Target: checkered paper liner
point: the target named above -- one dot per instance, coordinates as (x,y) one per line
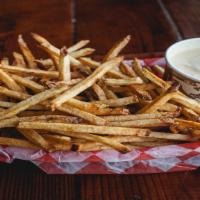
(169,158)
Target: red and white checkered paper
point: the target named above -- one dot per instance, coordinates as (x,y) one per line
(169,158)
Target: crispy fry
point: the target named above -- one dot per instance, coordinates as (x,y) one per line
(118,82)
(158,69)
(82,52)
(158,115)
(86,83)
(155,79)
(99,92)
(115,50)
(190,114)
(34,72)
(19,59)
(64,65)
(83,128)
(109,93)
(119,102)
(28,83)
(31,101)
(8,81)
(27,52)
(127,70)
(83,114)
(34,138)
(78,46)
(11,122)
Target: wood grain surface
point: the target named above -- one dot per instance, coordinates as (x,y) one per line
(154,24)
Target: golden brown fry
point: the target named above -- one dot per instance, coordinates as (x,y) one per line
(28,83)
(13,94)
(159,115)
(158,69)
(109,93)
(11,122)
(8,81)
(99,92)
(56,138)
(118,46)
(83,128)
(144,123)
(27,52)
(190,114)
(128,70)
(155,79)
(64,65)
(119,102)
(19,59)
(78,46)
(123,82)
(187,124)
(31,101)
(45,62)
(34,138)
(5,61)
(86,83)
(82,114)
(82,52)
(17,143)
(169,107)
(34,72)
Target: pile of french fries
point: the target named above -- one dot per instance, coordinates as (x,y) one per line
(70,101)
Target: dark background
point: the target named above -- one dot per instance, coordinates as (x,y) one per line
(154,25)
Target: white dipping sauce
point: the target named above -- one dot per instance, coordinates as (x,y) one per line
(188,62)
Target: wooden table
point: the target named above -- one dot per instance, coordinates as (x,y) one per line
(154,25)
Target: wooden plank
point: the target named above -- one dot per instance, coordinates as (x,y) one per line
(47,17)
(186,15)
(22,180)
(104,22)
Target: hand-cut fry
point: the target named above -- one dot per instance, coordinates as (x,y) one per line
(8,81)
(36,87)
(56,138)
(126,69)
(190,114)
(78,46)
(83,128)
(34,138)
(144,123)
(31,101)
(138,70)
(86,83)
(144,86)
(11,122)
(118,82)
(64,65)
(5,61)
(188,124)
(17,143)
(27,52)
(155,79)
(99,92)
(83,114)
(158,115)
(187,102)
(82,52)
(45,62)
(13,94)
(158,69)
(169,107)
(119,102)
(34,72)
(19,59)
(109,93)
(118,46)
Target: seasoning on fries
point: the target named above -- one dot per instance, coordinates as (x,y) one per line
(69,101)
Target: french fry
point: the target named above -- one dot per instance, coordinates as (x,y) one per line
(83,114)
(122,82)
(83,128)
(78,45)
(64,65)
(187,124)
(13,94)
(155,79)
(11,122)
(8,81)
(35,138)
(127,70)
(28,83)
(99,92)
(158,115)
(119,102)
(5,61)
(19,59)
(118,46)
(109,93)
(31,101)
(27,52)
(144,123)
(86,83)
(34,72)
(45,62)
(82,52)
(158,69)
(190,114)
